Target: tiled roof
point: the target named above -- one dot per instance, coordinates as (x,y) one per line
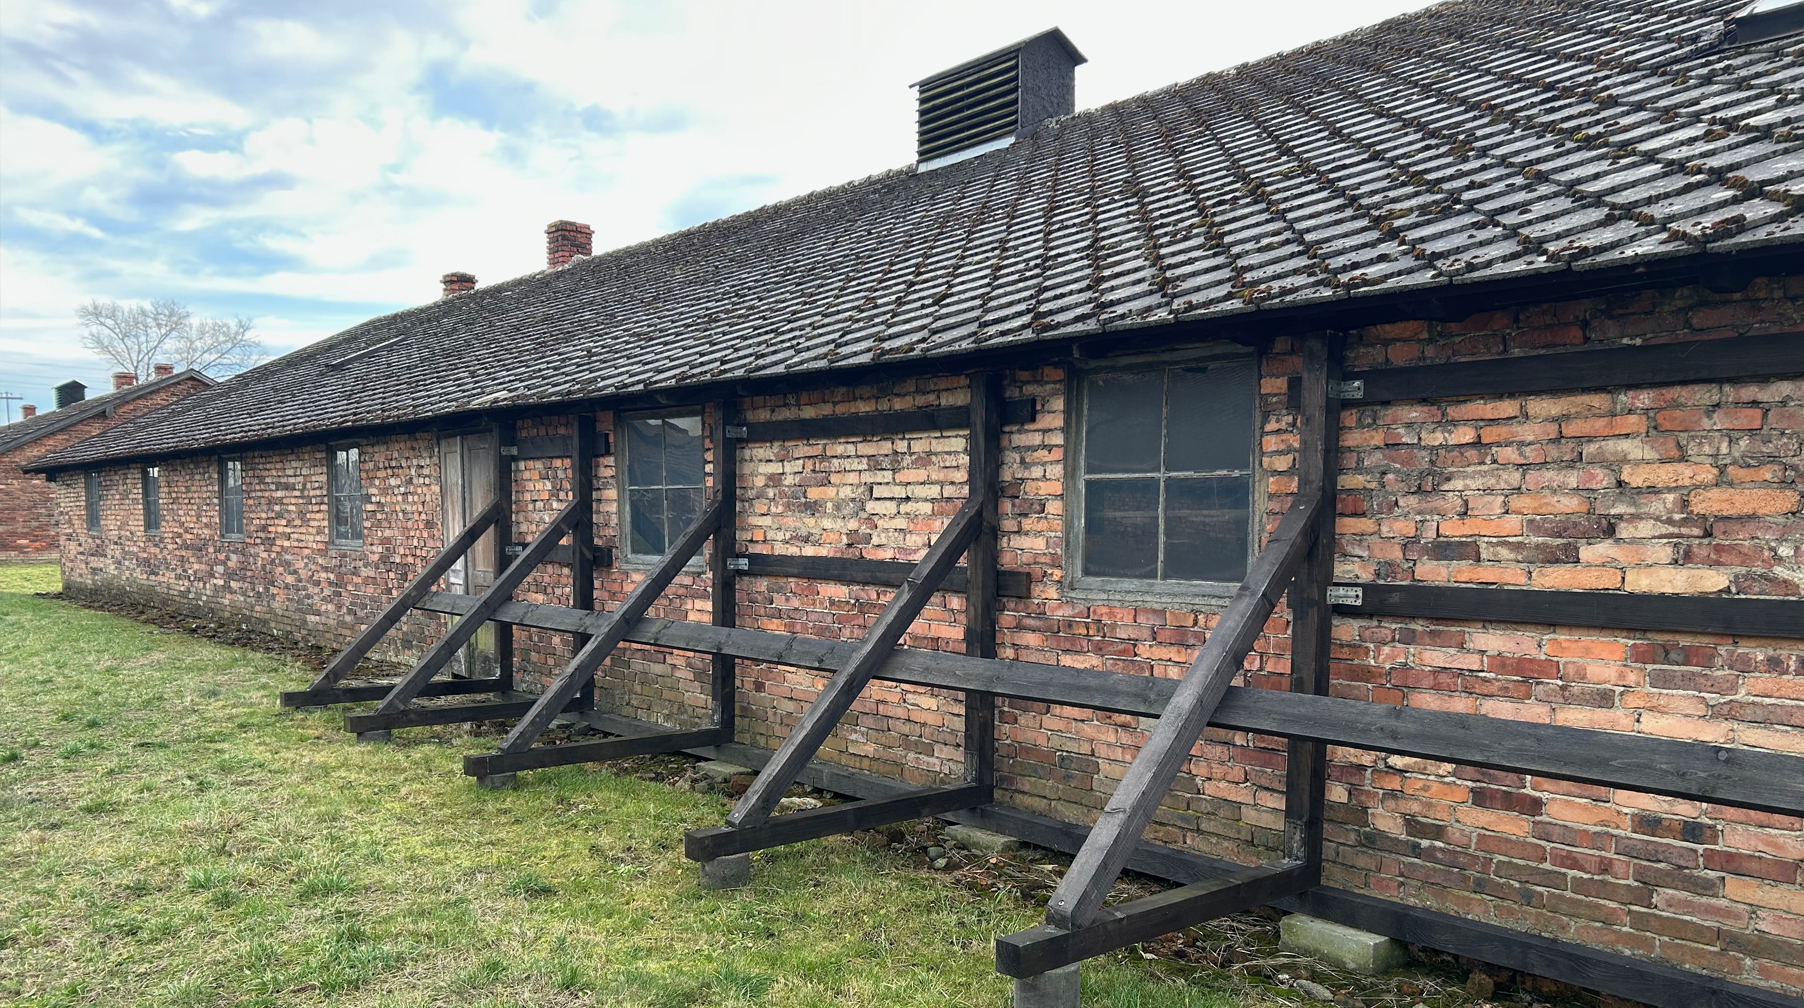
(1476,141)
(24,432)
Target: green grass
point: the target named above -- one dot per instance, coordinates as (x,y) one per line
(171,838)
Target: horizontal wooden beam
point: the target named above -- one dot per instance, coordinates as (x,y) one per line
(327,695)
(1751,778)
(490,764)
(812,824)
(415,717)
(1043,948)
(1649,982)
(1009,583)
(1683,363)
(1014,412)
(1728,614)
(602,556)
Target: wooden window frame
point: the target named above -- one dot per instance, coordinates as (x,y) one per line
(226,461)
(334,493)
(1112,589)
(628,559)
(150,494)
(90,488)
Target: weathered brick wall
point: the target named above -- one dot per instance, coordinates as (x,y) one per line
(1689,488)
(284,578)
(28,508)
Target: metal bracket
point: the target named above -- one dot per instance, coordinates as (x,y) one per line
(1355,389)
(514,549)
(1340,595)
(735,431)
(510,449)
(738,564)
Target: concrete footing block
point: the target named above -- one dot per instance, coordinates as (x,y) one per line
(732,872)
(496,782)
(311,710)
(982,840)
(1057,988)
(720,771)
(375,736)
(1339,945)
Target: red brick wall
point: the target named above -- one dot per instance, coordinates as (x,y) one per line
(28,520)
(1689,488)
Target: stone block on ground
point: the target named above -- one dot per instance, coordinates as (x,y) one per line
(1339,945)
(982,840)
(720,771)
(1053,989)
(732,872)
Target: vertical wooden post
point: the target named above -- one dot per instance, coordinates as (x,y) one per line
(505,442)
(1318,429)
(722,580)
(582,534)
(983,473)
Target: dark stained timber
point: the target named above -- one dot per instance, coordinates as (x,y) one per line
(1603,367)
(540,757)
(415,717)
(552,446)
(1769,781)
(409,598)
(1311,623)
(1014,412)
(812,824)
(356,694)
(1765,617)
(1039,949)
(1009,583)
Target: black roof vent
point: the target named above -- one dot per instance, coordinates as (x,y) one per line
(1764,20)
(988,102)
(69,393)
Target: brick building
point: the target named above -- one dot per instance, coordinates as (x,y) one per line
(1553,253)
(28,523)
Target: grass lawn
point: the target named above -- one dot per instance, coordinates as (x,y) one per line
(171,838)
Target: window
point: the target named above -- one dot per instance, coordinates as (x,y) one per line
(91,486)
(231,498)
(1166,471)
(153,499)
(663,480)
(345,487)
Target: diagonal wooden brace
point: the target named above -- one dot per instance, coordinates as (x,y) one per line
(1041,949)
(725,841)
(498,593)
(873,650)
(1125,817)
(421,586)
(540,757)
(613,631)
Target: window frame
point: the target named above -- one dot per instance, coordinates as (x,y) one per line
(334,493)
(622,449)
(90,489)
(1079,585)
(225,462)
(150,492)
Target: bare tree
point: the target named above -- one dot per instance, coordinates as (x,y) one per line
(135,337)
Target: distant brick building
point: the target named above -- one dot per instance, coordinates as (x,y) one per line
(28,522)
(1599,202)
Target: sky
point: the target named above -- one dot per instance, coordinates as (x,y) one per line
(312,165)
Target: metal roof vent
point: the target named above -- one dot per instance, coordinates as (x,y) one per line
(1764,20)
(989,102)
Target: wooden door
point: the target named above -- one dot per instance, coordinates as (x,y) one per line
(467,470)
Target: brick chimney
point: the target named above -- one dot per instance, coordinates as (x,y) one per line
(123,379)
(162,370)
(27,411)
(457,283)
(565,240)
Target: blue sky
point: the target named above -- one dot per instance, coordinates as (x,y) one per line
(311,165)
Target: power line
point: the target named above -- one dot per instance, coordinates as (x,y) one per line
(9,399)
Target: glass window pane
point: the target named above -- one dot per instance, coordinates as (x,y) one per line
(644,453)
(645,534)
(1206,526)
(1121,422)
(1211,418)
(1121,528)
(681,509)
(683,451)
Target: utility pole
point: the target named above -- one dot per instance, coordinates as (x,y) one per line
(9,399)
